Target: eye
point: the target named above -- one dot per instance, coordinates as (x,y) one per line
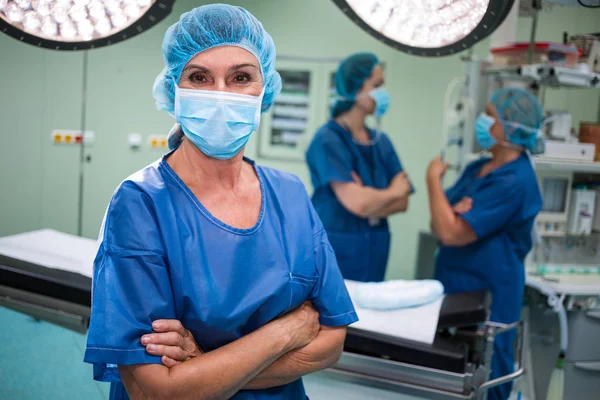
(198,77)
(242,77)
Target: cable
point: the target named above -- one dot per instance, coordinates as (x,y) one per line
(581,3)
(557,304)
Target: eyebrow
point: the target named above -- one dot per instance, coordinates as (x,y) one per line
(195,67)
(240,66)
(204,69)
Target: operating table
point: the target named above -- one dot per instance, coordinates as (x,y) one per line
(40,278)
(456,365)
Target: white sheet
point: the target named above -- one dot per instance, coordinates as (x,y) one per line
(52,249)
(417,323)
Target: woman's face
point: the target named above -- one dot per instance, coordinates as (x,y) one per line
(363,100)
(225,69)
(497,130)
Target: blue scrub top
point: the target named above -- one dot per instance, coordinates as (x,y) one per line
(505,205)
(361,248)
(163,255)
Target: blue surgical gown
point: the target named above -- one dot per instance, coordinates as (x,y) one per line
(361,247)
(505,205)
(163,255)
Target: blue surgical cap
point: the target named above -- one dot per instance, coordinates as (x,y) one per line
(212,26)
(349,78)
(521,116)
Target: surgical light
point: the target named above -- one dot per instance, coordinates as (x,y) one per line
(428,28)
(79,24)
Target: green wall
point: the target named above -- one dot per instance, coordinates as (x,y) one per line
(43,90)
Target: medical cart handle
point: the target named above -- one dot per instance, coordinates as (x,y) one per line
(501,328)
(592,366)
(593,314)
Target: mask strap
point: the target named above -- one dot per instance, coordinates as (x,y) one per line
(177,109)
(258,110)
(343,98)
(512,145)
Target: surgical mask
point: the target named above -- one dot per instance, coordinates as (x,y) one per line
(218,123)
(382,101)
(483,124)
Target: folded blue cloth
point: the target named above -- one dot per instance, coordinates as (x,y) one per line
(391,295)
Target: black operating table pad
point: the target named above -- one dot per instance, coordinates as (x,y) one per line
(460,309)
(55,283)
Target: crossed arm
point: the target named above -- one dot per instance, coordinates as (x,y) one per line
(446,223)
(368,202)
(274,355)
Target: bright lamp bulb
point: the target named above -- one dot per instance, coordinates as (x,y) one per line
(13,13)
(422,23)
(42,7)
(427,27)
(75,21)
(49,27)
(78,13)
(24,4)
(31,21)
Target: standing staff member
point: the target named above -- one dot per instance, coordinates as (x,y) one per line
(485,220)
(357,175)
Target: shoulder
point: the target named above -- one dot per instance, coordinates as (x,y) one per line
(517,178)
(328,133)
(144,182)
(477,164)
(527,178)
(385,143)
(135,195)
(520,174)
(131,219)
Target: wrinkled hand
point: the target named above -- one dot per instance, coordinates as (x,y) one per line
(301,325)
(463,206)
(172,342)
(401,184)
(437,169)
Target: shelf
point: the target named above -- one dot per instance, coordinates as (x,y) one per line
(554,235)
(546,75)
(566,235)
(553,164)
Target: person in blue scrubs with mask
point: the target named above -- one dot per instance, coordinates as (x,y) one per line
(232,250)
(357,176)
(486,220)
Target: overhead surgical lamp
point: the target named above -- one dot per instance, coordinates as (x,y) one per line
(429,28)
(79,24)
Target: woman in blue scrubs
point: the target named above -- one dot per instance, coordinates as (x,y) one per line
(233,250)
(357,176)
(485,220)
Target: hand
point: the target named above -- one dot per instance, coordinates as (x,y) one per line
(172,342)
(437,169)
(301,326)
(401,184)
(356,178)
(463,206)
